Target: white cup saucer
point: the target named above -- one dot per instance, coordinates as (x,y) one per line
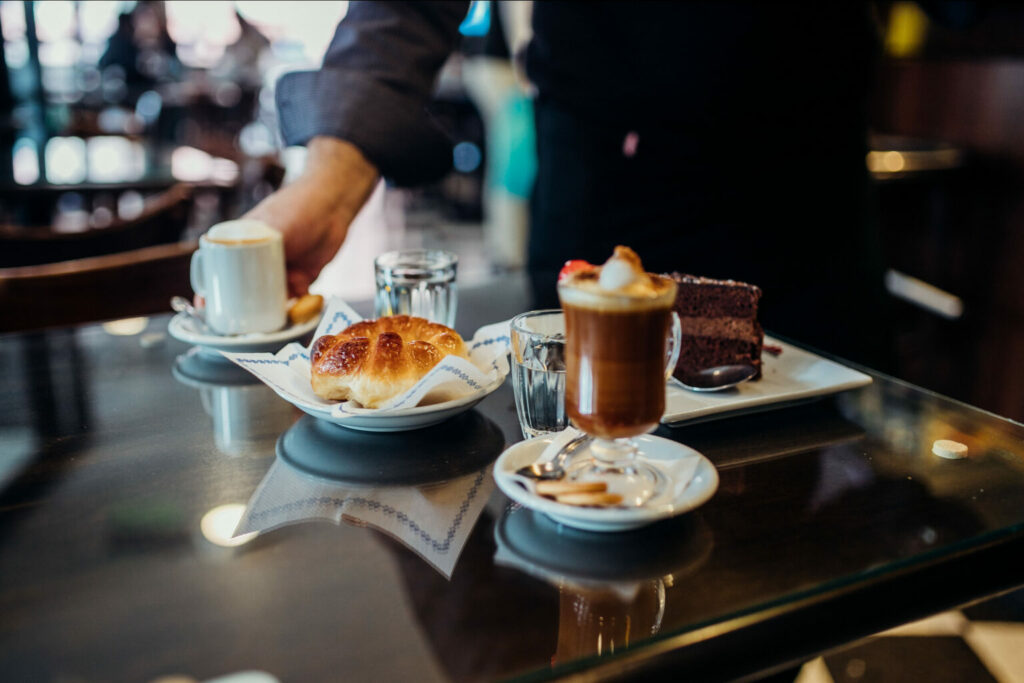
(676,498)
(183,328)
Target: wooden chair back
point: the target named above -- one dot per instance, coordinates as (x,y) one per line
(122,285)
(162,221)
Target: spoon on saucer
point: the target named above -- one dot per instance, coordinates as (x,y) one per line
(717,378)
(548,470)
(182,305)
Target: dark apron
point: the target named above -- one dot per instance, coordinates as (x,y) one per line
(790,214)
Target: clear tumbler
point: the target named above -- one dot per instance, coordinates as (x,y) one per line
(418,282)
(538,371)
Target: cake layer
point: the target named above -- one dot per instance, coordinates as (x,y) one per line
(701,353)
(719,324)
(727,328)
(708,298)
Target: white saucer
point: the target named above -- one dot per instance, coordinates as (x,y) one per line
(402,420)
(183,329)
(669,503)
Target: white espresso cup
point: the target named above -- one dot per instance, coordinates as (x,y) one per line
(239,271)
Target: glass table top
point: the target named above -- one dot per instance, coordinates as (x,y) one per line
(127,460)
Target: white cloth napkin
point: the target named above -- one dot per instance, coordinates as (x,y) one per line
(433,521)
(287,372)
(680,472)
(557,443)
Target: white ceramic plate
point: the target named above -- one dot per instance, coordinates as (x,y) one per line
(183,329)
(791,376)
(399,420)
(669,503)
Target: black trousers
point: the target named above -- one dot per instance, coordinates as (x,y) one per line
(790,213)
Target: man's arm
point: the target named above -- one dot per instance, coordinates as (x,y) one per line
(376,82)
(313,212)
(361,116)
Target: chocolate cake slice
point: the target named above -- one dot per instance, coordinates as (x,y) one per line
(719,323)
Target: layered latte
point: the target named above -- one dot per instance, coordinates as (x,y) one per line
(617,319)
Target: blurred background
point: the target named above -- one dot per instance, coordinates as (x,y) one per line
(129,125)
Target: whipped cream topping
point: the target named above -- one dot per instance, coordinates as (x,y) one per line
(618,273)
(621,277)
(623,272)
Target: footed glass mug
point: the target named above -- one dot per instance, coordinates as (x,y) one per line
(616,346)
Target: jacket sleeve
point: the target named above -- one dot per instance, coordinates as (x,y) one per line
(374,87)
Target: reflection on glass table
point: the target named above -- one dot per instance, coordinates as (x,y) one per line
(244,412)
(611,587)
(424,488)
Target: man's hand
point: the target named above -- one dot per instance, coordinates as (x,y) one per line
(313,213)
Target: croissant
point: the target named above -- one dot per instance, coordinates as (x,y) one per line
(374,360)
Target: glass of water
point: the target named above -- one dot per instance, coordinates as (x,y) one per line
(538,371)
(418,282)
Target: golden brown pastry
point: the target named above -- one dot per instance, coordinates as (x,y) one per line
(375,360)
(305,308)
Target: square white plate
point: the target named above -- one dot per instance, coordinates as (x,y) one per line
(791,376)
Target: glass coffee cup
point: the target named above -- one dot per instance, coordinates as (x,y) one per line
(621,342)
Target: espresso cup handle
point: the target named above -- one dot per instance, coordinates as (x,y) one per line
(195,273)
(675,345)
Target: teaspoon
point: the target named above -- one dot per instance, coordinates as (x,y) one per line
(718,378)
(182,305)
(554,468)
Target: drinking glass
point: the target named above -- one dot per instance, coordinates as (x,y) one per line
(615,360)
(418,282)
(538,371)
